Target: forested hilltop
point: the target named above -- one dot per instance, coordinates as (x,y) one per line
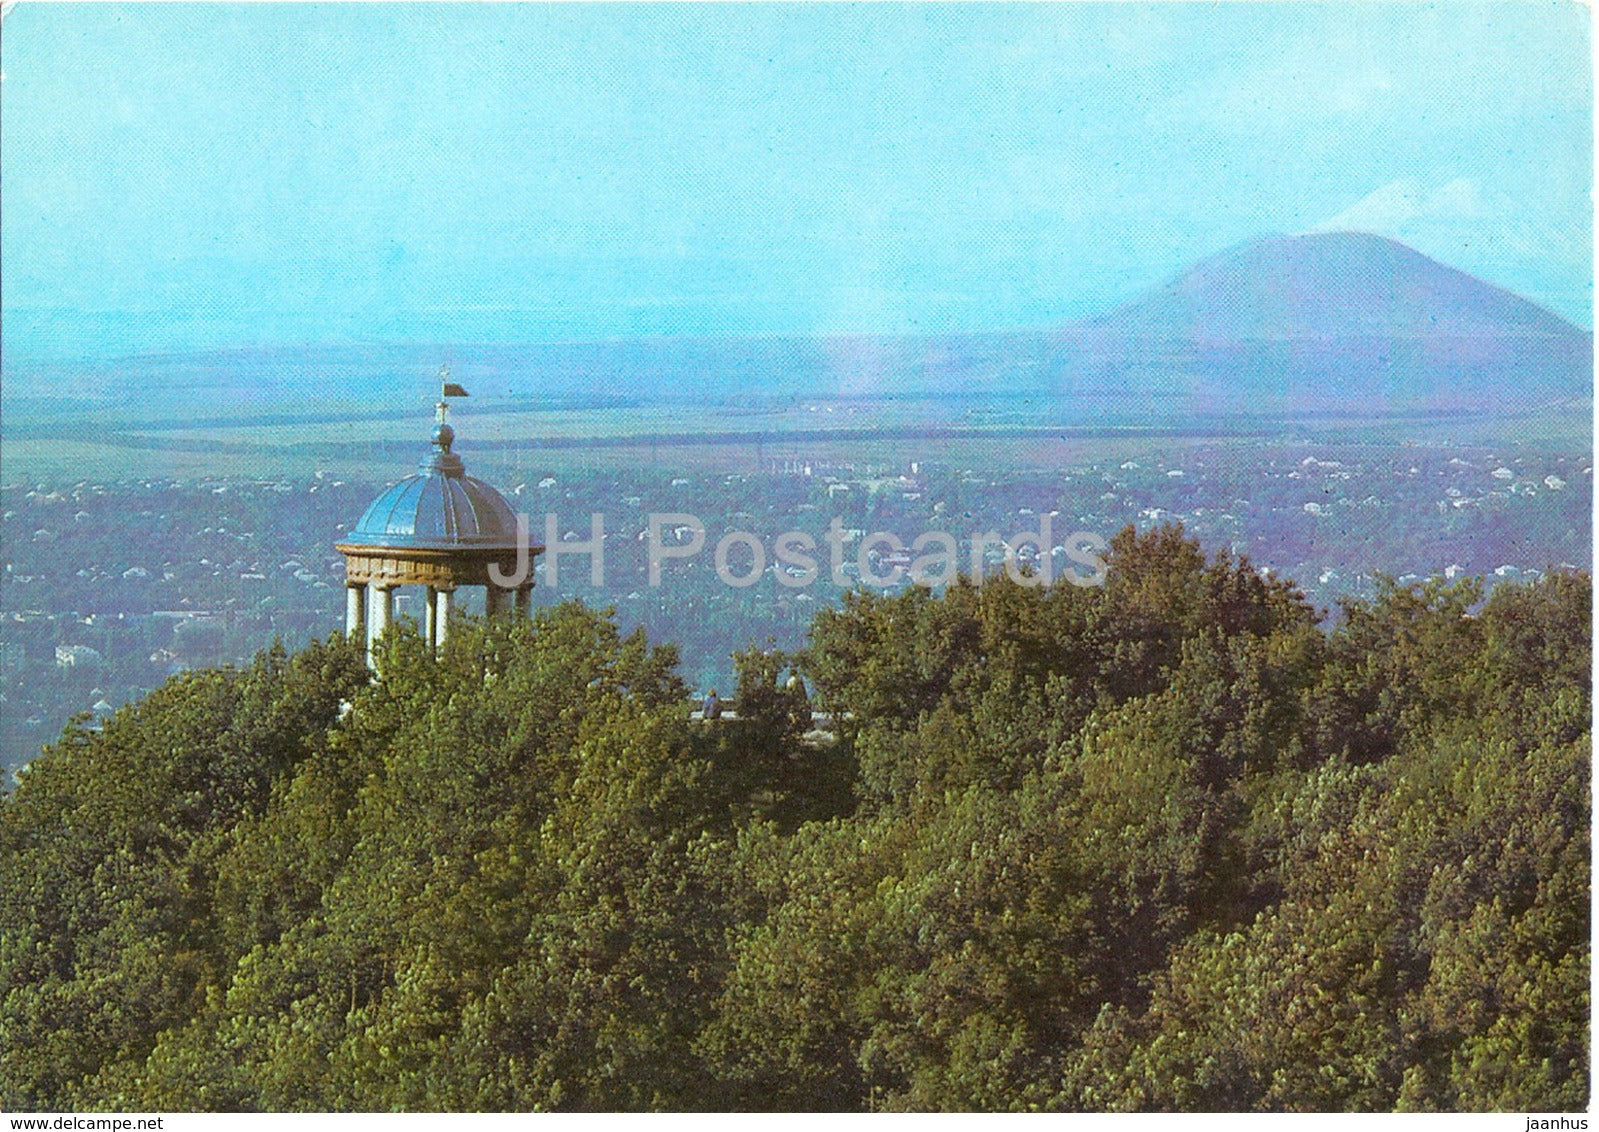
(1165,844)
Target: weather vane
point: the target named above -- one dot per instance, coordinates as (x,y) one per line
(448,389)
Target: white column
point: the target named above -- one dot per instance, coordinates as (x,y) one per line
(354,609)
(381,616)
(431,629)
(441,617)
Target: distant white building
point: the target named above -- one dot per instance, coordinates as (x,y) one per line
(78,656)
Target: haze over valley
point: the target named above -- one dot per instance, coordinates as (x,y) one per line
(1280,331)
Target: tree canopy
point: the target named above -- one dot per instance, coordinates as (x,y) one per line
(1170,843)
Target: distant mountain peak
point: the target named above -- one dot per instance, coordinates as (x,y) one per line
(1325,320)
(1327,286)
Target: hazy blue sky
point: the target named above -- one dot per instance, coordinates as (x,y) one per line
(196,174)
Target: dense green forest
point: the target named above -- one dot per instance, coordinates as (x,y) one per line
(1170,843)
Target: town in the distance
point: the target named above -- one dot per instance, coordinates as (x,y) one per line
(166,512)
